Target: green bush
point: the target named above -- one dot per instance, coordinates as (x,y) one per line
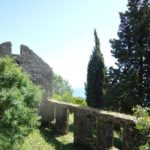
(143,118)
(143,124)
(19,99)
(79,101)
(62,91)
(67,97)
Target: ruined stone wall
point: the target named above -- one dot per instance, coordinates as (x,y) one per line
(102,123)
(5,49)
(41,73)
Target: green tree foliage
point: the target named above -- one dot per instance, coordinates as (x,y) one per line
(96,74)
(130,82)
(70,99)
(62,91)
(60,86)
(143,124)
(19,100)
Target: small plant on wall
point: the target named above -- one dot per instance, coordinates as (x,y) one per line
(143,124)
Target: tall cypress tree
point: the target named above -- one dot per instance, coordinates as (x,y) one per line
(95,76)
(130,82)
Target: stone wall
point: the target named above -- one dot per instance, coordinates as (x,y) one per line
(41,73)
(102,123)
(5,49)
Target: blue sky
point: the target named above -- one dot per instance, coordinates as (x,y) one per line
(61,31)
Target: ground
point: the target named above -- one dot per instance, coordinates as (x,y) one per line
(47,139)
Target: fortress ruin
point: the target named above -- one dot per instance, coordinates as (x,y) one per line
(86,120)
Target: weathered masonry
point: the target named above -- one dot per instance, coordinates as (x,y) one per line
(88,121)
(41,73)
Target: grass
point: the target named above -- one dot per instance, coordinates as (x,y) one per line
(47,139)
(35,141)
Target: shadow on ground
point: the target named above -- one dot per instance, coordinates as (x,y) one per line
(51,137)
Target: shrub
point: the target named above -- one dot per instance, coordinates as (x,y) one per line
(19,99)
(143,123)
(79,101)
(67,97)
(62,91)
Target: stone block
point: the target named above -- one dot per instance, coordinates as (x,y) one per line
(46,111)
(105,129)
(62,119)
(83,128)
(132,138)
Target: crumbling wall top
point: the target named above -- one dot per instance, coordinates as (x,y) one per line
(25,51)
(5,48)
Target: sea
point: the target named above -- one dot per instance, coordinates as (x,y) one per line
(79,92)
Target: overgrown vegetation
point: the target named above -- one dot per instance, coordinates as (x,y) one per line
(62,91)
(19,100)
(60,86)
(143,124)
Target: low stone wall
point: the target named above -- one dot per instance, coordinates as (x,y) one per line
(88,121)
